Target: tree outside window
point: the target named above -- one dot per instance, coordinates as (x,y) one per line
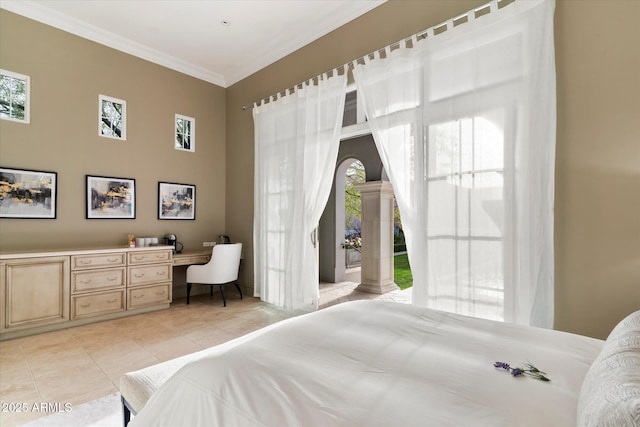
(185,138)
(14,96)
(113,115)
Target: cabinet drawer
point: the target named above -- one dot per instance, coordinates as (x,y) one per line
(148,274)
(93,280)
(151,257)
(83,262)
(96,304)
(149,295)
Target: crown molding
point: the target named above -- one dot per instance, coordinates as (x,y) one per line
(32,10)
(349,11)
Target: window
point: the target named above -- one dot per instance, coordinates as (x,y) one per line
(467,220)
(14,96)
(113,118)
(185,133)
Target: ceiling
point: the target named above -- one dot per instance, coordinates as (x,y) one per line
(219,41)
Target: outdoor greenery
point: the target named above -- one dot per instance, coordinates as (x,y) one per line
(402,271)
(352,199)
(13,97)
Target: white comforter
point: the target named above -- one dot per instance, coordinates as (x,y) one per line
(371,363)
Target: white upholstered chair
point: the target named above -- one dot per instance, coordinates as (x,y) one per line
(221,269)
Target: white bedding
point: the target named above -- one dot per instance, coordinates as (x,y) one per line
(372,363)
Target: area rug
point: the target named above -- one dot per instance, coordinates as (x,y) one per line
(103,412)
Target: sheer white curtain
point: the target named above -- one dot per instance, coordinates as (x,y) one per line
(465,125)
(296,145)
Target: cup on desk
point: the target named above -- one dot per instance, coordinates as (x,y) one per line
(140,241)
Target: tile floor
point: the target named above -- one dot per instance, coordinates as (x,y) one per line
(84,363)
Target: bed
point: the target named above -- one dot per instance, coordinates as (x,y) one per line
(373,363)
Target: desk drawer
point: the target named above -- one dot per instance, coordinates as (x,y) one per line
(148,274)
(94,280)
(149,295)
(191,260)
(95,304)
(84,262)
(151,257)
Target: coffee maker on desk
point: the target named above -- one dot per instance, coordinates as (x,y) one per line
(172,240)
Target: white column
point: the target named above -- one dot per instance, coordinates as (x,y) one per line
(377,237)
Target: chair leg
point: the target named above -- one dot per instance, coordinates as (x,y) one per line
(188,291)
(126,413)
(224,300)
(238,288)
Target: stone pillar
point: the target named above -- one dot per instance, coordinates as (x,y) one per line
(377,237)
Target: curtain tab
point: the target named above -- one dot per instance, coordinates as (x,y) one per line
(450,24)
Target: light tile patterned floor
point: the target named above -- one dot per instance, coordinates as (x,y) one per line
(81,364)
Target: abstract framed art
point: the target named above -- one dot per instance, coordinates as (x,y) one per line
(28,194)
(111,198)
(176,201)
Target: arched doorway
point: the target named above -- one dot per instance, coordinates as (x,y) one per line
(331,232)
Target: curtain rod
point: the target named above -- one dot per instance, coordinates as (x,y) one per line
(429,32)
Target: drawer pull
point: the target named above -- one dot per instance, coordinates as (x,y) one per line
(86,281)
(85,305)
(111,301)
(112,278)
(139,274)
(160,256)
(85,261)
(138,258)
(113,259)
(161,273)
(160,293)
(139,296)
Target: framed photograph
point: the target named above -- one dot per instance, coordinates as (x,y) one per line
(27,193)
(176,201)
(112,117)
(111,198)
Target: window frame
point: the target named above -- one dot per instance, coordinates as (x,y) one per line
(27,103)
(507,189)
(192,134)
(123,133)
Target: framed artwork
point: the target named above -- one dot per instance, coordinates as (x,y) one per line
(15,93)
(111,198)
(176,201)
(27,193)
(112,117)
(185,137)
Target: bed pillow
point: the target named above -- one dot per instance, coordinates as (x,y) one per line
(610,392)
